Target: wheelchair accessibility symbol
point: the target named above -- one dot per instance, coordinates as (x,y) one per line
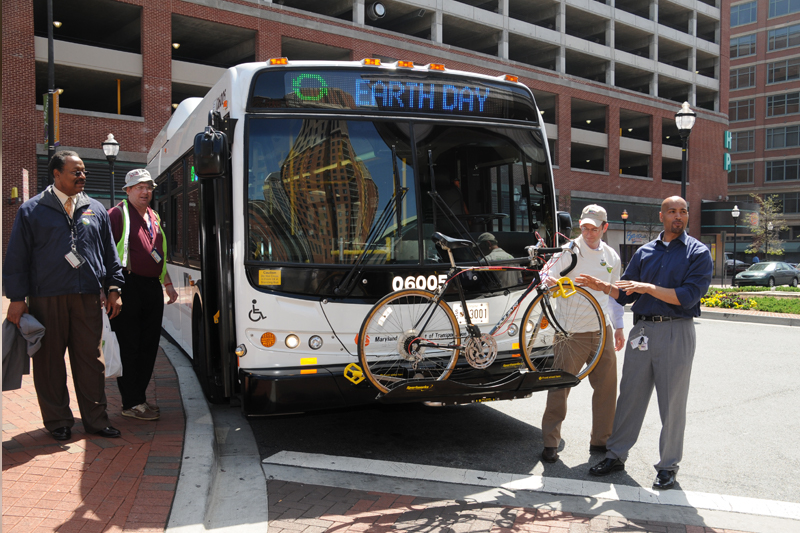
(255,314)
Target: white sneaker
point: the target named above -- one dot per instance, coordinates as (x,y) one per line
(141,412)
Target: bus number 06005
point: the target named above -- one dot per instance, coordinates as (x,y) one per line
(430,283)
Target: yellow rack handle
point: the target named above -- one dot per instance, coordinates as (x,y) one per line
(563,291)
(353,373)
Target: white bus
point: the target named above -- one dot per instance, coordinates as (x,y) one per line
(314,202)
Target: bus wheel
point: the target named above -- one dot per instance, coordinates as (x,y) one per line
(203,367)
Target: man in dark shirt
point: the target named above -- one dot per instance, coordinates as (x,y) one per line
(142,249)
(665,279)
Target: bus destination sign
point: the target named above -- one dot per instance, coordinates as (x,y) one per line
(394,93)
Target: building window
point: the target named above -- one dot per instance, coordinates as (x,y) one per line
(779,8)
(745,13)
(781,38)
(788,170)
(743,141)
(742,78)
(743,46)
(786,137)
(740,173)
(790,202)
(742,110)
(781,71)
(783,104)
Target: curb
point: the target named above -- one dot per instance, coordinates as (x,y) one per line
(755,319)
(199,458)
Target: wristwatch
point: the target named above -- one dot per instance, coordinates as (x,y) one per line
(115,289)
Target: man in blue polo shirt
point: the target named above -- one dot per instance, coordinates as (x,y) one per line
(665,280)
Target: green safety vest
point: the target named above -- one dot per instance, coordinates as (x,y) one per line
(122,244)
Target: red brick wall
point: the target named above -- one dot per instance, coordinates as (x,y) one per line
(707,180)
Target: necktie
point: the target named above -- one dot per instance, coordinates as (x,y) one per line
(68,206)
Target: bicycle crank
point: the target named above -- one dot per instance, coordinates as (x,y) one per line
(481,352)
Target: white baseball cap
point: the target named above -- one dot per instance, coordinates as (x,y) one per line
(136,176)
(593,214)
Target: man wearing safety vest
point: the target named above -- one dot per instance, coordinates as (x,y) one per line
(142,249)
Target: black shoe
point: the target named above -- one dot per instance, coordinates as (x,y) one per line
(550,455)
(606,466)
(595,448)
(62,433)
(665,480)
(108,432)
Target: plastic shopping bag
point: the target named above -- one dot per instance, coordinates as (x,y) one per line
(110,348)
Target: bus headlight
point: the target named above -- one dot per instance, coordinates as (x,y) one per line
(512,330)
(240,351)
(315,342)
(292,341)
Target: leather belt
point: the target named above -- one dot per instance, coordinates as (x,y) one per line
(655,318)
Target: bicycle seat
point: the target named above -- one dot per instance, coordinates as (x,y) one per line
(449,243)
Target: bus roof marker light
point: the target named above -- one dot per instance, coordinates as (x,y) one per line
(371,62)
(268,340)
(292,341)
(436,66)
(405,64)
(279,61)
(513,79)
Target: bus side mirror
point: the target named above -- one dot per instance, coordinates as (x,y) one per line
(564,223)
(210,154)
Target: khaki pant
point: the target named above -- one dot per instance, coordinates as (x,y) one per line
(72,322)
(603,380)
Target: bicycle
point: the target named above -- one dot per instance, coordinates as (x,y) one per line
(413,334)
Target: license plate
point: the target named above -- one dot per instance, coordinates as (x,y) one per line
(478,313)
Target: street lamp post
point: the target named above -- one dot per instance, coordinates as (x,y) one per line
(51,88)
(766,240)
(624,237)
(111,149)
(735,215)
(684,119)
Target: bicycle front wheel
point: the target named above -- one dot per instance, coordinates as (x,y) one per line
(566,334)
(408,335)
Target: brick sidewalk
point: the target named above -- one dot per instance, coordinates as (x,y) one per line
(88,483)
(300,508)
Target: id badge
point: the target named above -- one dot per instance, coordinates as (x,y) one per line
(155,255)
(74,259)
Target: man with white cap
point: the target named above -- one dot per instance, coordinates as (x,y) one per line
(142,249)
(597,259)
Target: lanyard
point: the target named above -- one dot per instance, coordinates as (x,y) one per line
(70,221)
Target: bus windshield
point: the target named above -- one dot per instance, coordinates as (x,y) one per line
(318,186)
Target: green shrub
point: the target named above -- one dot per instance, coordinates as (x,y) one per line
(778,305)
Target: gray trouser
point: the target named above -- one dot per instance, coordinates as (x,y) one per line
(667,365)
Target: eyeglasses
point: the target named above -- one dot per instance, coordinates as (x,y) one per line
(140,188)
(78,173)
(594,231)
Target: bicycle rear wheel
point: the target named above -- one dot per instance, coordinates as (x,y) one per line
(566,334)
(408,336)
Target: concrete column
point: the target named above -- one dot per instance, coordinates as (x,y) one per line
(358,12)
(693,23)
(502,45)
(436,26)
(561,18)
(502,8)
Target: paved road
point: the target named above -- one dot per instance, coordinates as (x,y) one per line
(740,441)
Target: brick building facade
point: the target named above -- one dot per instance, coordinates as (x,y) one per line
(608,96)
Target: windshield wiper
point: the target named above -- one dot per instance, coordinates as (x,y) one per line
(391,210)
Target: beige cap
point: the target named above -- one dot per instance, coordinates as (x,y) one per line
(136,176)
(593,214)
(484,237)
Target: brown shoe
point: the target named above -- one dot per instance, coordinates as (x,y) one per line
(550,454)
(140,412)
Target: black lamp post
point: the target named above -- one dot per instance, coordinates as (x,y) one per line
(684,119)
(624,237)
(111,149)
(51,88)
(735,215)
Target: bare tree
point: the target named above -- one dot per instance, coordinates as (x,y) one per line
(766,227)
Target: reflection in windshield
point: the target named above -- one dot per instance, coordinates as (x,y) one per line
(322,184)
(317,188)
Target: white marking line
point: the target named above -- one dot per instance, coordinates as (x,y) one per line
(517,482)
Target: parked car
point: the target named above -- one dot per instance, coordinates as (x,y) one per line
(768,273)
(741,266)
